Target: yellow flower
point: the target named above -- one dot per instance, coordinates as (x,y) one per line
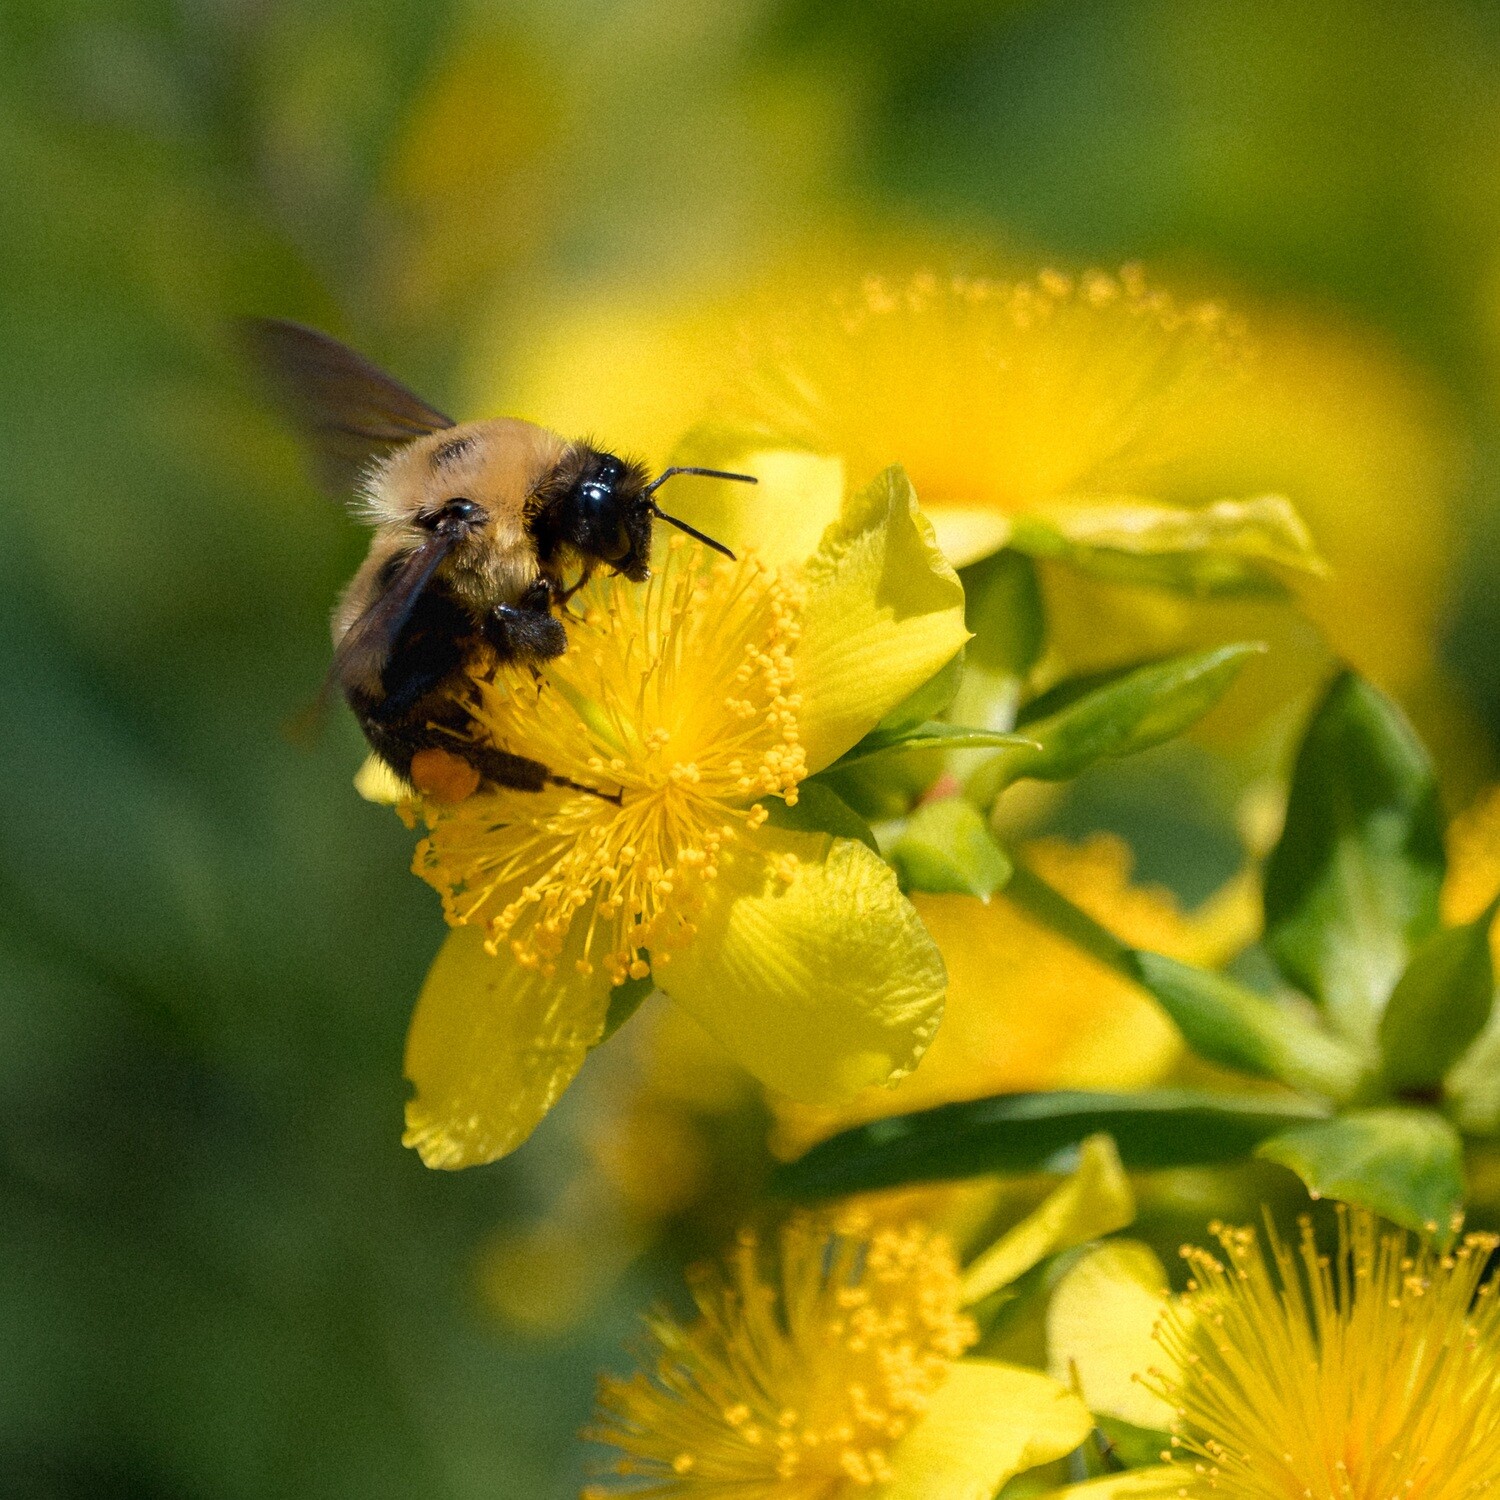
(696,705)
(836,1373)
(1028,1010)
(1374,1372)
(1001,398)
(1145,403)
(1371,1372)
(1474,863)
(627,710)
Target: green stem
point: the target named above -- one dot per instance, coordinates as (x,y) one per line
(1055,912)
(1219,1018)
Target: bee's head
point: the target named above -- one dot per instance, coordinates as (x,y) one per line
(603,507)
(603,515)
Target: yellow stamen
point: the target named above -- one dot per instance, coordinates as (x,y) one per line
(676,702)
(1371,1374)
(797,1387)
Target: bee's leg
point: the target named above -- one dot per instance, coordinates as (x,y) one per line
(521,774)
(517,772)
(444,729)
(520,634)
(564,595)
(448,730)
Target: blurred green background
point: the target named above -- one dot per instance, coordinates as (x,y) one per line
(220,1274)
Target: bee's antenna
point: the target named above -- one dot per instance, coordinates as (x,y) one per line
(692,531)
(666,474)
(661,515)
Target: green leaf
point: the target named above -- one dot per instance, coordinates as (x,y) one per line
(1230,547)
(1473,1086)
(1025,1132)
(1231,1025)
(1128,714)
(819,809)
(1439,1006)
(624,1000)
(933,735)
(1003,608)
(948,846)
(1352,887)
(1406,1164)
(881,790)
(1070,690)
(1133,1446)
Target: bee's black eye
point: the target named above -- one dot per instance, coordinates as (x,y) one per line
(452,515)
(599,510)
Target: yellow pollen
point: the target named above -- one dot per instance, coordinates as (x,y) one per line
(675,703)
(798,1377)
(1369,1374)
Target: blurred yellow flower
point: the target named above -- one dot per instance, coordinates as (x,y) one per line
(669,1143)
(694,702)
(1473,862)
(837,1371)
(1370,453)
(1147,402)
(1001,398)
(1364,446)
(1026,1009)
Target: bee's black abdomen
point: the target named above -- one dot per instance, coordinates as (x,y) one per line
(431,648)
(421,706)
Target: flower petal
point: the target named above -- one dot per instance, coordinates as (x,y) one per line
(811,967)
(1265,528)
(884,612)
(376,782)
(967,533)
(1026,1010)
(492,1046)
(1096,1200)
(781,519)
(1099,1325)
(986,1423)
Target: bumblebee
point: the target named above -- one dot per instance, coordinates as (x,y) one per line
(483,530)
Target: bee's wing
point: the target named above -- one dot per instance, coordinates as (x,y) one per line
(349,410)
(360,657)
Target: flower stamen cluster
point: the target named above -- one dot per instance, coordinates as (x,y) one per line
(1365,1375)
(795,1385)
(678,703)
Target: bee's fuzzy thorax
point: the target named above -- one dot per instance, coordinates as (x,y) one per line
(498,464)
